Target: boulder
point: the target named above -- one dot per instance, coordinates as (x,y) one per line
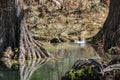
(57,40)
(85,69)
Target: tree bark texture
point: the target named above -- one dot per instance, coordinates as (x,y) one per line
(110,33)
(14,33)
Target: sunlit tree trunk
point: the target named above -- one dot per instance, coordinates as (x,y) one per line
(109,35)
(14,35)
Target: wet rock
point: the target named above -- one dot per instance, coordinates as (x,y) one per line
(85,69)
(114,61)
(57,40)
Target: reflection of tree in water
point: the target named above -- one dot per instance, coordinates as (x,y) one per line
(27,68)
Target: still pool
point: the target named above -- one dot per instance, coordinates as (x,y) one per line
(51,69)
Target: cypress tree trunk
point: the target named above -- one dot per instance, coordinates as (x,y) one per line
(14,34)
(109,35)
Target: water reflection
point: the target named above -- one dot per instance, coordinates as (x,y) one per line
(66,55)
(24,72)
(50,69)
(27,68)
(9,74)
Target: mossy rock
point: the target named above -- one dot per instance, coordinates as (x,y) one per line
(85,69)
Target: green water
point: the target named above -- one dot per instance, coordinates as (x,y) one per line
(54,69)
(9,75)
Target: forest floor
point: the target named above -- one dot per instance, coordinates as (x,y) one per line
(46,20)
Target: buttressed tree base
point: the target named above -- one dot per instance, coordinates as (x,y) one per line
(109,35)
(14,35)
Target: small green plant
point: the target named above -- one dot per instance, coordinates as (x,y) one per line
(72,75)
(16,50)
(81,73)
